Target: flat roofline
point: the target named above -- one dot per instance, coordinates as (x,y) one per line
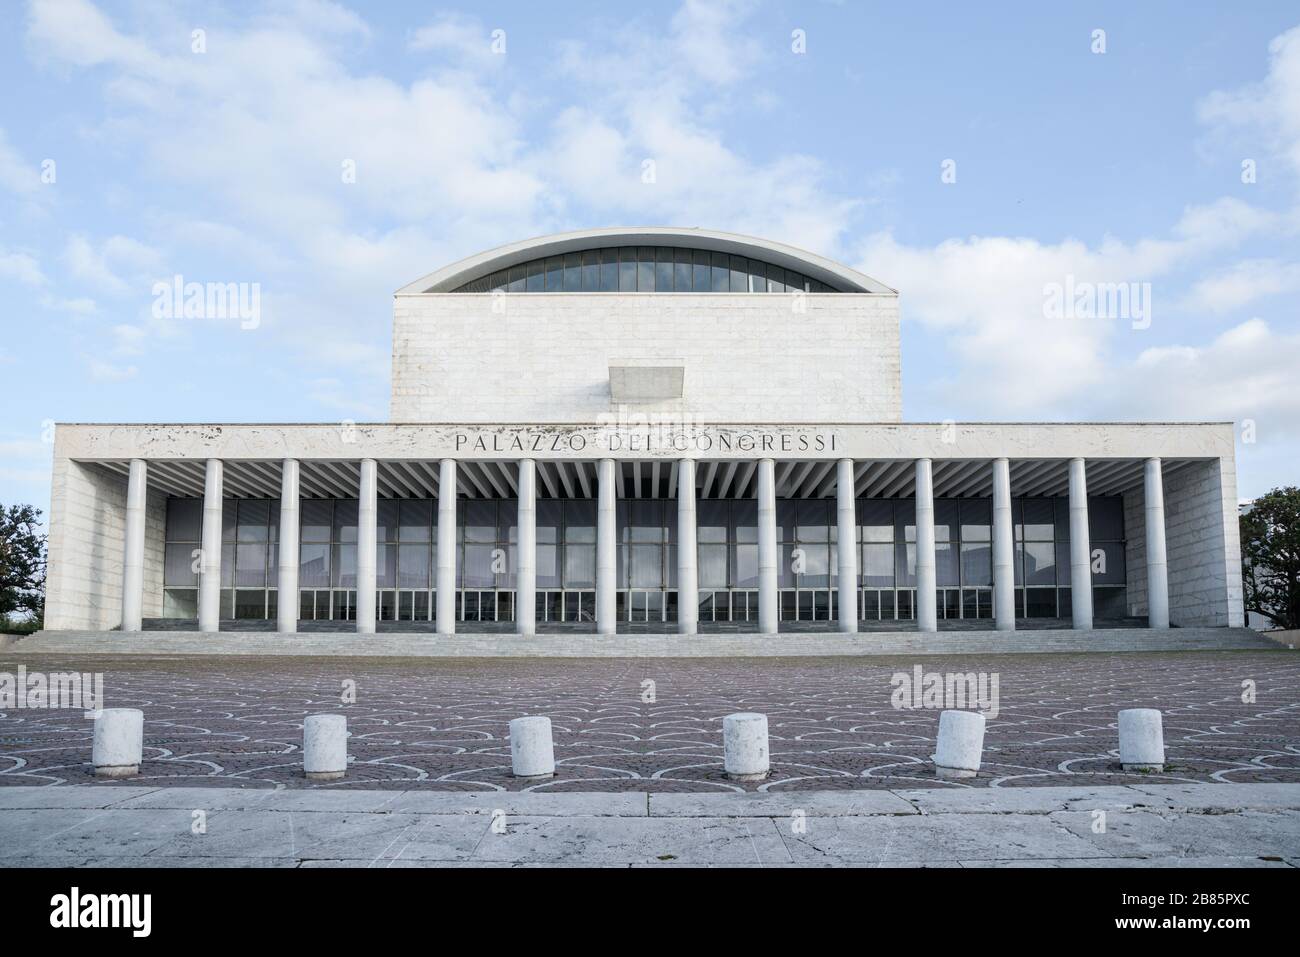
(653,424)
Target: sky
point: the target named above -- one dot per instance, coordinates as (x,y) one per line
(973,157)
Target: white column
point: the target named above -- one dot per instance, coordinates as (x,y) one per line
(446,582)
(688,579)
(927,613)
(526,550)
(768,555)
(1004,573)
(287,580)
(137,487)
(1080,548)
(606,554)
(847,532)
(367,519)
(1157,564)
(210,549)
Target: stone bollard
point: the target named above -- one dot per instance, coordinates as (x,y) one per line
(745,753)
(960,746)
(325,746)
(1141,740)
(119,743)
(532,752)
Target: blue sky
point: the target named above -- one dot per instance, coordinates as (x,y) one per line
(224,165)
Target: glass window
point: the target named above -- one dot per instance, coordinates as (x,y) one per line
(745,566)
(1038,522)
(757,276)
(548,568)
(713,566)
(178,564)
(646,566)
(386,566)
(664,269)
(976,563)
(579,566)
(480,521)
(739,274)
(905,520)
(945,564)
(744,520)
(721,273)
(817,567)
(627,269)
(591,270)
(550,517)
(609,270)
(878,564)
(814,520)
(1062,519)
(1105,519)
(876,520)
(386,520)
(314,565)
(701,272)
(478,567)
(573,272)
(413,566)
(1108,567)
(945,520)
(250,564)
(644,518)
(682,270)
(555,274)
(1040,563)
(580,520)
(536,281)
(316,518)
(415,520)
(344,566)
(711,520)
(775,279)
(645,269)
(976,520)
(345,520)
(184,519)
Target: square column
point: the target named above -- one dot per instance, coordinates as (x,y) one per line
(137,487)
(367,533)
(927,613)
(446,581)
(287,577)
(688,579)
(1080,547)
(210,549)
(1157,564)
(768,559)
(847,542)
(526,550)
(606,553)
(1004,571)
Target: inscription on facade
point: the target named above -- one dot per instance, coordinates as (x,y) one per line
(651,440)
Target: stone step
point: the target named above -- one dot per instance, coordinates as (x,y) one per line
(394,644)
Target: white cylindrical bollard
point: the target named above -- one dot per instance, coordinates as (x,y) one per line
(118,747)
(745,754)
(325,746)
(1141,740)
(532,752)
(961,744)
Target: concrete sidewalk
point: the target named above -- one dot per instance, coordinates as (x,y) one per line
(1229,825)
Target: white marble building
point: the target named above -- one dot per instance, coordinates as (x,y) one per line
(637,430)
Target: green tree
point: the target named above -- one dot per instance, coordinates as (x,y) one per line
(22,562)
(1270,556)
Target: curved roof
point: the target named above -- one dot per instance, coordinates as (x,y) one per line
(838,277)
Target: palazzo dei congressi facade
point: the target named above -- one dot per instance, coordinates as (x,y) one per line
(638,430)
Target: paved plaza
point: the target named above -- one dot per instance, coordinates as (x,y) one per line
(655,725)
(1189,825)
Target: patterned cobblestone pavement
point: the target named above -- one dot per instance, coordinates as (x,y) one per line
(441,724)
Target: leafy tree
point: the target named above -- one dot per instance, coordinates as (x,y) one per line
(1270,554)
(22,562)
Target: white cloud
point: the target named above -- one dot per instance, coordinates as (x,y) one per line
(102,371)
(1271,107)
(21,266)
(100,265)
(986,296)
(16,174)
(1244,283)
